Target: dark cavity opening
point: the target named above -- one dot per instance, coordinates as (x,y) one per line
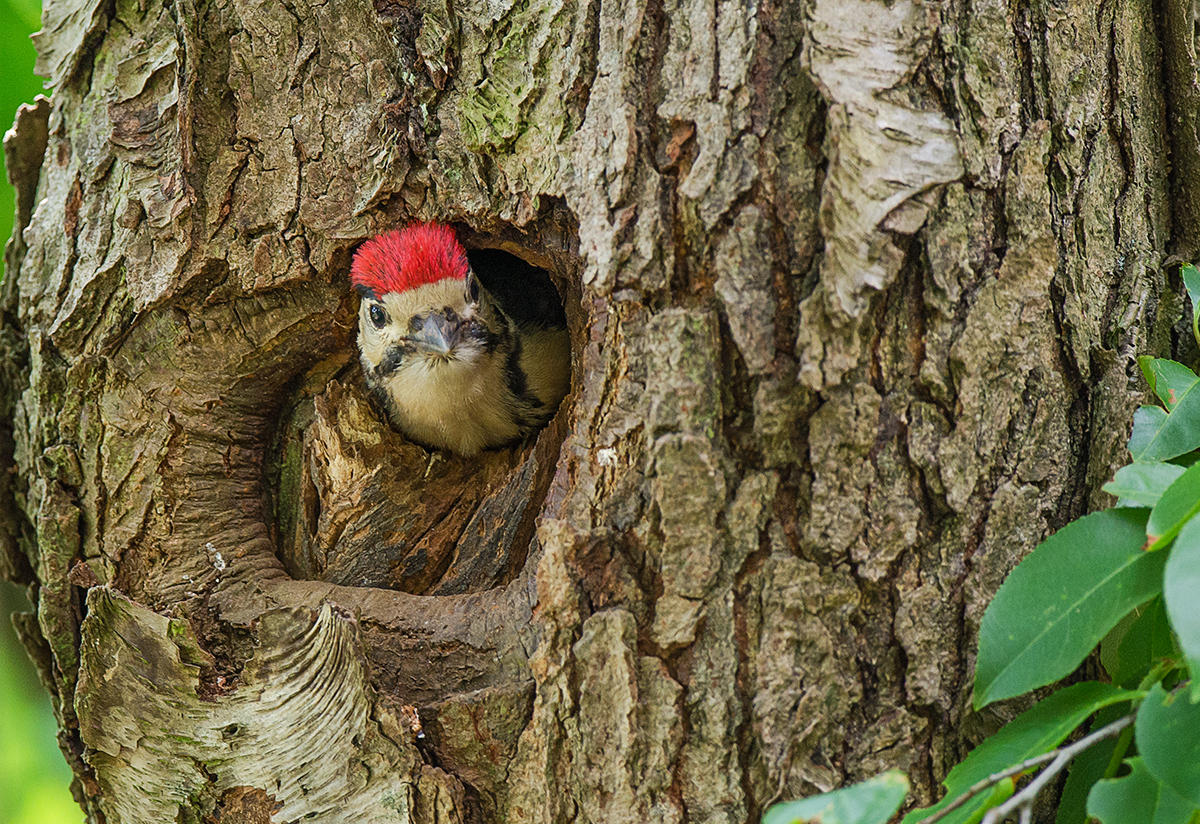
(526,292)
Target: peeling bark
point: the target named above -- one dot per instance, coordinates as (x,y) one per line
(855,291)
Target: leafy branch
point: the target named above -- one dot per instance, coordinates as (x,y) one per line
(1025,798)
(1061,758)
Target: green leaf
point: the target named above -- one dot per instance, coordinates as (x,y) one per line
(1061,600)
(1181,586)
(1168,738)
(1147,421)
(873,801)
(1167,378)
(1086,769)
(1146,640)
(1176,506)
(1191,280)
(1142,484)
(1151,633)
(1159,436)
(1038,730)
(999,794)
(1186,459)
(1138,798)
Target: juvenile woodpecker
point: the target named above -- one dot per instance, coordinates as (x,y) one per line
(456,365)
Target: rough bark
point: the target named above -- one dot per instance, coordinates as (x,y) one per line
(855,289)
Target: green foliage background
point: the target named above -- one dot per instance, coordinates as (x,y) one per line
(34,778)
(18,19)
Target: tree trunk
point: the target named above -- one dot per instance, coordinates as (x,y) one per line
(855,289)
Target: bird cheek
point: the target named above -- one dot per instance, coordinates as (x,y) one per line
(393,356)
(484,336)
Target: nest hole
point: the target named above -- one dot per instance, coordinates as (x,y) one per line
(358,504)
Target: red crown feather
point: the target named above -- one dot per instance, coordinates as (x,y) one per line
(406,258)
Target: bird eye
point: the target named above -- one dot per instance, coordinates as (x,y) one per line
(472,287)
(378,316)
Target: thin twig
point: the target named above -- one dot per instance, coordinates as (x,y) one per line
(986,783)
(1024,799)
(1054,755)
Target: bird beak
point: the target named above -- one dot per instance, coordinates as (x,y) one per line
(438,333)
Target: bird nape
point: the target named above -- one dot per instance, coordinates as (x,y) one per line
(459,361)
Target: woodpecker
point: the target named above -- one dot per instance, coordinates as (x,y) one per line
(457,364)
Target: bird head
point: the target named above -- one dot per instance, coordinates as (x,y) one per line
(451,364)
(422,307)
